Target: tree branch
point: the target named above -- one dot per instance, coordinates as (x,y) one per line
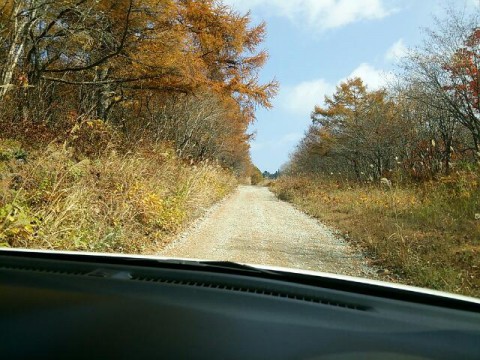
(106,57)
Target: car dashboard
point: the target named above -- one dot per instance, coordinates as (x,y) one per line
(84,306)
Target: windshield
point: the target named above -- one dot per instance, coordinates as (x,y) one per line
(333,136)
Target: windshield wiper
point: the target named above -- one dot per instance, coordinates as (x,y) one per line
(219,265)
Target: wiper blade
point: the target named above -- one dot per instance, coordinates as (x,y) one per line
(219,265)
(230,265)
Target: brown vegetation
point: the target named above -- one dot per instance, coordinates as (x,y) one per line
(417,129)
(425,235)
(397,169)
(122,120)
(116,202)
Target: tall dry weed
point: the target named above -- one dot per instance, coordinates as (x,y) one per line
(111,202)
(426,234)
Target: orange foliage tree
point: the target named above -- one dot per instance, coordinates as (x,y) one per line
(116,59)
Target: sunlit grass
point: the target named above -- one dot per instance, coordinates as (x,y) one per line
(426,235)
(130,203)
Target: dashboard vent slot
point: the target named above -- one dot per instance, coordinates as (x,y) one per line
(297,296)
(42,270)
(253,290)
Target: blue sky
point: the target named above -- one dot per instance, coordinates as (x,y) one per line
(315,44)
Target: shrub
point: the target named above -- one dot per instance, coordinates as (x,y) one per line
(91,138)
(11,149)
(18,226)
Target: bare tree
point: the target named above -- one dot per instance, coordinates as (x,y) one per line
(447,70)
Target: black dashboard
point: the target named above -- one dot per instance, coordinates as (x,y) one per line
(79,306)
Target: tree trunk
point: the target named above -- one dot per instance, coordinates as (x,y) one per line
(23,23)
(102,94)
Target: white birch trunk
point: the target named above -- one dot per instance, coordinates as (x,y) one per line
(23,24)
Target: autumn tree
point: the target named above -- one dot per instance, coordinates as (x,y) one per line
(199,127)
(432,135)
(358,126)
(119,61)
(446,69)
(421,128)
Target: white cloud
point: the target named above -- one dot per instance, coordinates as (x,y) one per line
(319,14)
(396,51)
(372,77)
(303,97)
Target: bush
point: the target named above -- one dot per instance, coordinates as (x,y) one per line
(18,226)
(91,138)
(11,149)
(256,176)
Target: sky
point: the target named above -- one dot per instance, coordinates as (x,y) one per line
(316,44)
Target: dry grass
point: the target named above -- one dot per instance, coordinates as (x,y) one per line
(130,203)
(425,235)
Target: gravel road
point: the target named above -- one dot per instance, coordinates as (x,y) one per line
(253,226)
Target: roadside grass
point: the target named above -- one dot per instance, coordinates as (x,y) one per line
(133,202)
(424,235)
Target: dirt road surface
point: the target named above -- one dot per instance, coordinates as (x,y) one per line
(253,226)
